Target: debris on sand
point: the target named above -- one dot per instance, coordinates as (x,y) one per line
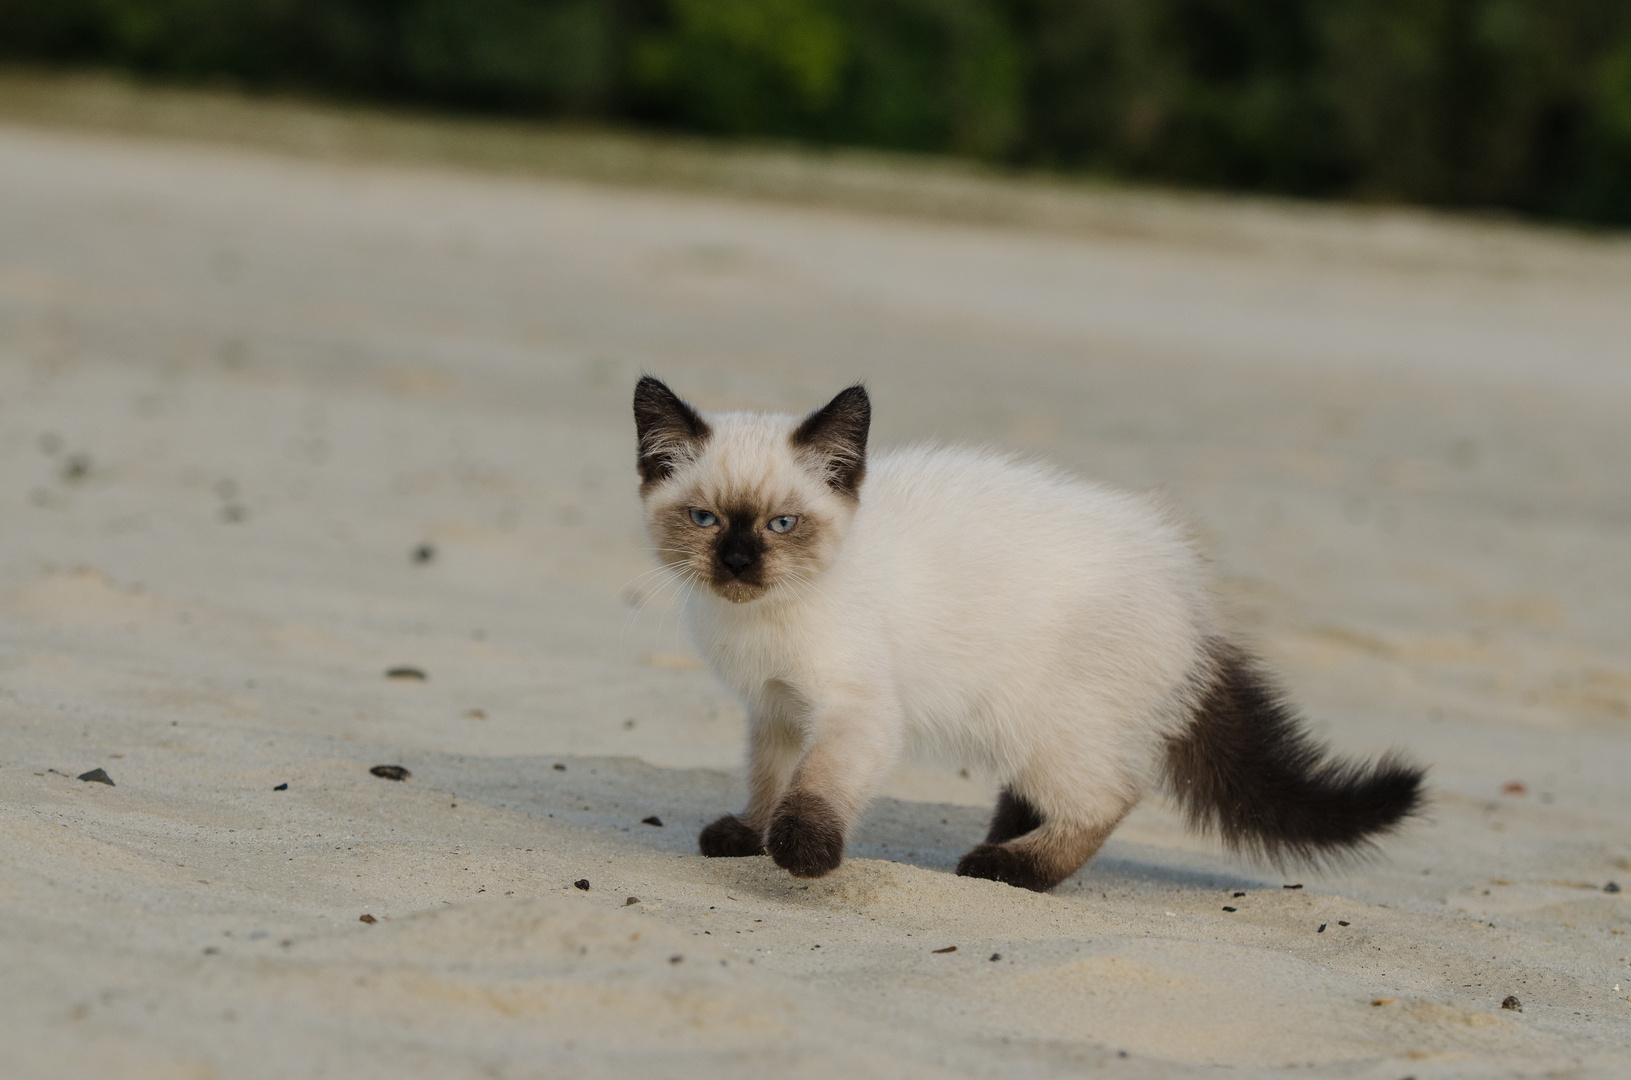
(367,918)
(583,883)
(97,776)
(390,772)
(1383,1001)
(1612,886)
(424,553)
(1512,1003)
(631,901)
(412,673)
(281,787)
(652,820)
(947,949)
(1514,787)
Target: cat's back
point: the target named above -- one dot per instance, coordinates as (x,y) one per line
(951,517)
(963,492)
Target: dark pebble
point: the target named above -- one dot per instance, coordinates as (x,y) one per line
(1226,907)
(947,949)
(1612,886)
(1321,930)
(582,883)
(405,673)
(676,958)
(1512,1003)
(631,901)
(996,956)
(1238,895)
(424,553)
(1291,886)
(1341,923)
(559,767)
(390,772)
(281,787)
(97,776)
(652,820)
(367,919)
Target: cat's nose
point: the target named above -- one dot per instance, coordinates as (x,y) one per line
(737,561)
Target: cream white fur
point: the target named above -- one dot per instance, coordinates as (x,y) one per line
(972,608)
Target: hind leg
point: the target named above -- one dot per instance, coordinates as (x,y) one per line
(1030,850)
(1014,817)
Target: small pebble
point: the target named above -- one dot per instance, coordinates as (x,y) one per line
(1226,907)
(1384,1001)
(558,767)
(405,673)
(652,820)
(1341,923)
(1238,895)
(281,787)
(947,949)
(424,553)
(996,956)
(1514,787)
(1512,1003)
(97,776)
(1321,930)
(1291,886)
(1612,886)
(390,772)
(676,958)
(631,901)
(582,883)
(369,919)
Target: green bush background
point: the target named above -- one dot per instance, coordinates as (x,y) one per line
(1516,104)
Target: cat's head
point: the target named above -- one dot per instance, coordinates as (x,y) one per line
(741,503)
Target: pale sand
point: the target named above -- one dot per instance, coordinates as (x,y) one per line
(1411,469)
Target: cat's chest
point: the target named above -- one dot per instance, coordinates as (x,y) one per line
(749,653)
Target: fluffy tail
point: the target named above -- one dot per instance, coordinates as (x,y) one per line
(1245,769)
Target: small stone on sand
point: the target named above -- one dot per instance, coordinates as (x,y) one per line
(281,787)
(582,883)
(1512,1003)
(390,772)
(652,820)
(412,673)
(365,917)
(97,776)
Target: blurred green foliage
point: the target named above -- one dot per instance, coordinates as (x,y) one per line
(1516,104)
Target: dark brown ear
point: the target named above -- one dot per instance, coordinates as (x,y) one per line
(835,435)
(668,429)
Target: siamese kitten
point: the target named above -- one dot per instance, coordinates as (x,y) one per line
(980,610)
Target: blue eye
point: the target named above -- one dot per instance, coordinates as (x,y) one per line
(783,524)
(702,519)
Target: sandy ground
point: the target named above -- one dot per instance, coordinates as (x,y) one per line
(238,391)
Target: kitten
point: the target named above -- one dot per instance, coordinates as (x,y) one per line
(976,609)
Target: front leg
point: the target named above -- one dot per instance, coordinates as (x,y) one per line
(773,753)
(852,746)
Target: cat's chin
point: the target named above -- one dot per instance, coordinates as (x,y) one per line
(738,592)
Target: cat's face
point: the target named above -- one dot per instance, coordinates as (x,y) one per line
(745,503)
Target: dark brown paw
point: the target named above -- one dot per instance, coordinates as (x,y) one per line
(994,862)
(806,837)
(730,838)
